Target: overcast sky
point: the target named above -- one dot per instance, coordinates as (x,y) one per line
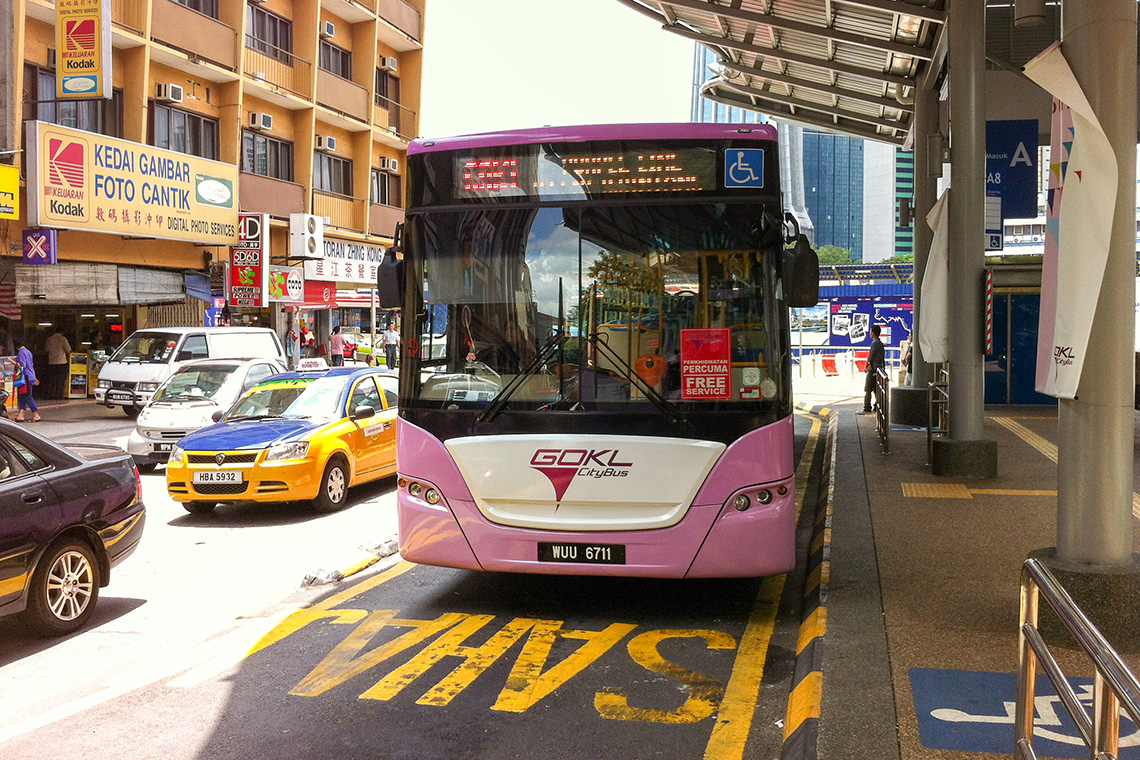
(511,64)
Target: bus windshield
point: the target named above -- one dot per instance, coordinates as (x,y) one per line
(598,308)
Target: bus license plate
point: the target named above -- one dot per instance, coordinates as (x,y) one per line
(595,554)
(216,476)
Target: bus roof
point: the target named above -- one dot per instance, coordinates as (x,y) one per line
(679,131)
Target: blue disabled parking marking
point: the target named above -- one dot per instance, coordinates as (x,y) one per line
(974,712)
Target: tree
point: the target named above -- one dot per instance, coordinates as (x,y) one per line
(906,258)
(833,254)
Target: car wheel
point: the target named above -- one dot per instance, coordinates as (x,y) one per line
(131,411)
(334,486)
(146,466)
(65,587)
(198,507)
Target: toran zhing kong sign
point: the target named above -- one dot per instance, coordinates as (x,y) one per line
(249,262)
(83,48)
(83,181)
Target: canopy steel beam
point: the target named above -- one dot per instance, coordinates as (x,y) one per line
(900,8)
(827,89)
(776,22)
(785,114)
(836,111)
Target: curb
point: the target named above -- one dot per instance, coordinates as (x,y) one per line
(801,724)
(372,554)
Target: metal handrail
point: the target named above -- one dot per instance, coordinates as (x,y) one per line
(1114,685)
(883,407)
(937,403)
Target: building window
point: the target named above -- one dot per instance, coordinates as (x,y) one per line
(268,33)
(266,156)
(332,174)
(205,7)
(335,60)
(388,96)
(378,192)
(94,115)
(183,131)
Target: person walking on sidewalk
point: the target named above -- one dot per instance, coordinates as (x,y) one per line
(25,393)
(391,345)
(876,360)
(59,357)
(336,348)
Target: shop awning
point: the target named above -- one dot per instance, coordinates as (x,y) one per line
(318,295)
(198,286)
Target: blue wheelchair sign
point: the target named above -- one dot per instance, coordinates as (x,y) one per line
(744,167)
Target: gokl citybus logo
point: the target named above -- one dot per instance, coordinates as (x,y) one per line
(561,466)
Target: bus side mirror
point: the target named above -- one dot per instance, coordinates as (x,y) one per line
(801,275)
(390,282)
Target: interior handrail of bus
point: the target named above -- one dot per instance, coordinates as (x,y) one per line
(655,398)
(504,395)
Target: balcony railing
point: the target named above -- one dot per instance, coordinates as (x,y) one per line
(390,115)
(342,95)
(269,63)
(130,14)
(186,29)
(343,211)
(400,15)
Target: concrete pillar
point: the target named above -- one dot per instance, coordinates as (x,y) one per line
(1095,447)
(965,453)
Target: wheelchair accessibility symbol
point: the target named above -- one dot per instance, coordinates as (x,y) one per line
(744,167)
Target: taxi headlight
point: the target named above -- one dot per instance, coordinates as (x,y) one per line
(291,450)
(176,454)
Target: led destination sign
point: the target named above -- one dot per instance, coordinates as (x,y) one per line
(579,175)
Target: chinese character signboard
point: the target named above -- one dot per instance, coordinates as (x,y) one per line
(706,364)
(9,192)
(346,261)
(83,48)
(286,284)
(83,181)
(249,262)
(40,247)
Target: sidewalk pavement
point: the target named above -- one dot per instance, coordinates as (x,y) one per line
(923,594)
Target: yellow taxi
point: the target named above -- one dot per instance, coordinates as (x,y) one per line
(306,435)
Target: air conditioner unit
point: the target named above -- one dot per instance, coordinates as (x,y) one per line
(328,31)
(168,92)
(306,236)
(326,142)
(51,58)
(259,120)
(390,165)
(389,63)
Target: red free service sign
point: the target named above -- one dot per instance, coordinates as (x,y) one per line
(706,364)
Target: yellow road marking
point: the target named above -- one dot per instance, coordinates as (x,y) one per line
(1011,492)
(804,468)
(936,490)
(738,707)
(804,702)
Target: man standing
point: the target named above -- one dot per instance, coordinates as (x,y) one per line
(876,360)
(58,351)
(391,345)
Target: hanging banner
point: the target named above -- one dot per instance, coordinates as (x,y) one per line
(9,192)
(1087,175)
(934,300)
(249,262)
(286,284)
(40,247)
(84,181)
(83,49)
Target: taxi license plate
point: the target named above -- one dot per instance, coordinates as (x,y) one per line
(594,554)
(124,396)
(218,476)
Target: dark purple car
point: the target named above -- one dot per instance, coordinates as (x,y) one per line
(65,520)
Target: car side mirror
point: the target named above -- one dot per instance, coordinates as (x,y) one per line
(363,412)
(217,416)
(184,356)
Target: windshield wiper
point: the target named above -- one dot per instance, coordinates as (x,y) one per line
(672,413)
(503,396)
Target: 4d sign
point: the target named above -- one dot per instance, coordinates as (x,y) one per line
(249,262)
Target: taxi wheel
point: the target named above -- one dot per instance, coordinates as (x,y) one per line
(334,486)
(198,507)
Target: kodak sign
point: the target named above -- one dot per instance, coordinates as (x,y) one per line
(83,48)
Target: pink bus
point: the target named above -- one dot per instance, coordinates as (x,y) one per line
(595,376)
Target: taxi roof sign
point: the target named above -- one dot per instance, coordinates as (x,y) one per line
(311,365)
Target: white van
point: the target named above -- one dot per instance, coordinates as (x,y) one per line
(136,369)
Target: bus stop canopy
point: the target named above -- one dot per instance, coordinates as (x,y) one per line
(849,66)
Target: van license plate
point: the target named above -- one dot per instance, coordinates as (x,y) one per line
(124,397)
(594,554)
(163,447)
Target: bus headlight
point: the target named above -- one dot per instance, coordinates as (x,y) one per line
(741,502)
(764,497)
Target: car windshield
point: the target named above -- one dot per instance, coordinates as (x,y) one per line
(147,347)
(193,384)
(294,397)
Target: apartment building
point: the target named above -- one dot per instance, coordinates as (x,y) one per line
(308,105)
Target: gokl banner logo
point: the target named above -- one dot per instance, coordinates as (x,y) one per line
(561,466)
(40,247)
